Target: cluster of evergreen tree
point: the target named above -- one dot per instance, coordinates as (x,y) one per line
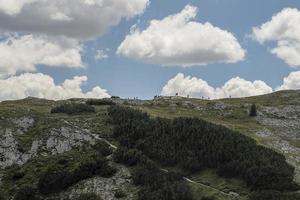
(72,108)
(156,184)
(100,102)
(194,144)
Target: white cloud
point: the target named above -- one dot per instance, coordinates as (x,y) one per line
(178,40)
(291,82)
(188,86)
(284,29)
(81,19)
(238,87)
(198,88)
(51,32)
(13,7)
(101,54)
(23,53)
(43,86)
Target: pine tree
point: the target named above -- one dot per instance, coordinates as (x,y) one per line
(253,111)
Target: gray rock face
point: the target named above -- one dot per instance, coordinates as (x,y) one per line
(65,138)
(9,152)
(104,187)
(24,123)
(56,141)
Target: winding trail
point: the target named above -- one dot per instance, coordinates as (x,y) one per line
(104,140)
(201,184)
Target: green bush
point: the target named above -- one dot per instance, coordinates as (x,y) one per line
(102,148)
(88,196)
(26,193)
(120,194)
(100,102)
(253,111)
(53,181)
(127,156)
(71,108)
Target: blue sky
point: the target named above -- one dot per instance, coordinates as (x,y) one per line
(127,78)
(134,78)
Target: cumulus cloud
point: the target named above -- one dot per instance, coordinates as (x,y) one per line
(238,87)
(284,29)
(198,88)
(24,53)
(43,86)
(81,19)
(291,82)
(181,41)
(51,32)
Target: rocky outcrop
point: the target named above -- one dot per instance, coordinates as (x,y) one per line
(65,138)
(104,187)
(52,141)
(9,151)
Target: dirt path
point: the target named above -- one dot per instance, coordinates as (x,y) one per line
(201,184)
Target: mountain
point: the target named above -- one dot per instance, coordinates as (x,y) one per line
(70,150)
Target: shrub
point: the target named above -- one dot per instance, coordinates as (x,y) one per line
(100,102)
(120,194)
(26,193)
(88,196)
(127,156)
(71,108)
(53,181)
(253,111)
(103,148)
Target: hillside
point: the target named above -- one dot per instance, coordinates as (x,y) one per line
(35,141)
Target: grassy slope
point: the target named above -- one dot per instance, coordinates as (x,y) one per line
(234,115)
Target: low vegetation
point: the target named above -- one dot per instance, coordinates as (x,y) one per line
(100,102)
(72,108)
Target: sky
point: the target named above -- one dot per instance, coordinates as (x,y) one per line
(59,49)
